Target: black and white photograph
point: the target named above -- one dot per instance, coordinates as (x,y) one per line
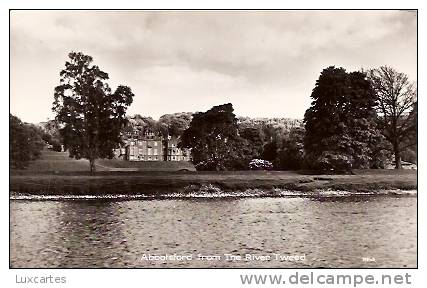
(213,139)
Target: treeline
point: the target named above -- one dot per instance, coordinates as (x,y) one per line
(221,141)
(278,140)
(168,124)
(272,139)
(357,120)
(26,140)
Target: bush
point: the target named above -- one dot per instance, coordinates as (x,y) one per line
(259,164)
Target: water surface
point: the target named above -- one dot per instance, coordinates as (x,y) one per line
(329,231)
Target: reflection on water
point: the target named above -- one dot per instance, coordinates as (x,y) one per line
(331,232)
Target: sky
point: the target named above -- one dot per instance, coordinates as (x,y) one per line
(265,63)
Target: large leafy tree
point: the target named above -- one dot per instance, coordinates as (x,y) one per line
(340,125)
(90,114)
(396,107)
(213,139)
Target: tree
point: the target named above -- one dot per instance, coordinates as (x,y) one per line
(396,97)
(291,156)
(270,151)
(25,143)
(340,125)
(174,124)
(90,114)
(141,124)
(254,142)
(50,134)
(213,139)
(409,154)
(265,136)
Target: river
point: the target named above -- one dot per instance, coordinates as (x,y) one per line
(373,231)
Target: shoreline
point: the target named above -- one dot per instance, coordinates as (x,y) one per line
(221,195)
(253,183)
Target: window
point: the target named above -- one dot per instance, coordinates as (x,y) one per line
(155,144)
(149,152)
(155,151)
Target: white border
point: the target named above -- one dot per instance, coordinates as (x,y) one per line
(186,277)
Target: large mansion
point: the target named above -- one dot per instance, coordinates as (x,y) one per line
(148,146)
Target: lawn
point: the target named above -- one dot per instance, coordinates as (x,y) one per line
(59,162)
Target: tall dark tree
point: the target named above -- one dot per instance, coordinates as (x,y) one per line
(91,115)
(213,139)
(340,125)
(396,97)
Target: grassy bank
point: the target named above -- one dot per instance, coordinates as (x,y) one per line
(56,174)
(151,183)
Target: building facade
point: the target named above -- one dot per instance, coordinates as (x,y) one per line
(150,147)
(173,153)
